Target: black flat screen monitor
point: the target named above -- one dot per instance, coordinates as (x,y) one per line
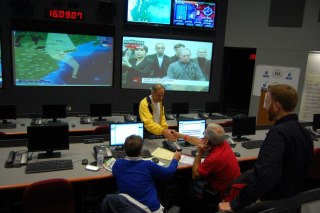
(243,126)
(100,110)
(54,111)
(7,112)
(212,107)
(316,122)
(61,59)
(194,14)
(48,139)
(149,12)
(179,108)
(120,131)
(136,109)
(141,66)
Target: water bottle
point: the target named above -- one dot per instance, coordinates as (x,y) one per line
(100,157)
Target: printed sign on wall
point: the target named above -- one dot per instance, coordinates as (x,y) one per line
(266,75)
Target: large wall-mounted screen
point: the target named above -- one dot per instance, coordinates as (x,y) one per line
(197,14)
(0,65)
(61,59)
(149,11)
(180,65)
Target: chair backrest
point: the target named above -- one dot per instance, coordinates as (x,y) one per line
(52,195)
(101,130)
(113,203)
(290,204)
(2,135)
(314,173)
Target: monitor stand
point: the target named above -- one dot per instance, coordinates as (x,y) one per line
(49,154)
(54,120)
(100,119)
(7,125)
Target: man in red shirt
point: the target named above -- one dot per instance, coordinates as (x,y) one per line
(220,167)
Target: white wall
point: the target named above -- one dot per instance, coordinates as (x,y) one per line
(247,26)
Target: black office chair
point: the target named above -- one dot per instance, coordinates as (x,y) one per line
(286,205)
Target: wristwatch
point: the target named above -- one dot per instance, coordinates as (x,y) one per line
(197,153)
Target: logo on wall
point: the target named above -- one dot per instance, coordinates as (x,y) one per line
(277,73)
(266,74)
(289,77)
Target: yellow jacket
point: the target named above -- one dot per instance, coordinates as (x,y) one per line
(147,118)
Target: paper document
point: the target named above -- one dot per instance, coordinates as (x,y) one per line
(162,153)
(186,159)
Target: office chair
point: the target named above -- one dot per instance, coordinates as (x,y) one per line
(101,130)
(124,203)
(50,196)
(286,205)
(312,179)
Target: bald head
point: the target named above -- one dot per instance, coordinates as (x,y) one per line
(215,133)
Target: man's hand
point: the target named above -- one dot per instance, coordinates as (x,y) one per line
(177,156)
(177,135)
(167,133)
(203,146)
(225,207)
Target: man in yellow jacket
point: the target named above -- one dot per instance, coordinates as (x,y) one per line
(152,114)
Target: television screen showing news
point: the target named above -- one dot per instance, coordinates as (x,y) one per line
(60,59)
(194,14)
(180,65)
(149,11)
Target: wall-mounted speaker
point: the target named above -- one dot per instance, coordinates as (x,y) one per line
(286,13)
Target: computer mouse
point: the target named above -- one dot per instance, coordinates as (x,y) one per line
(237,154)
(73,125)
(156,160)
(23,124)
(84,161)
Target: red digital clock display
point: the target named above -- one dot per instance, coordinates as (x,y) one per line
(65,14)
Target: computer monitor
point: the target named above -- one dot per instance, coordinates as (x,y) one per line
(243,126)
(194,14)
(148,12)
(44,58)
(54,111)
(120,131)
(316,122)
(179,108)
(100,110)
(7,112)
(194,128)
(212,107)
(48,139)
(136,109)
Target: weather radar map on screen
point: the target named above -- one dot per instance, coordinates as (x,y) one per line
(194,14)
(59,59)
(149,11)
(180,65)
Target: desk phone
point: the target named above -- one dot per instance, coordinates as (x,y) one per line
(16,159)
(172,146)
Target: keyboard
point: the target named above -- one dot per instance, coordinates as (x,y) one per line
(216,117)
(145,153)
(100,123)
(204,155)
(181,118)
(8,125)
(56,124)
(252,144)
(151,136)
(47,166)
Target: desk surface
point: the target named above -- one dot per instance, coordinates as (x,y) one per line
(75,126)
(11,178)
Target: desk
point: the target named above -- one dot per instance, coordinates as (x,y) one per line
(80,128)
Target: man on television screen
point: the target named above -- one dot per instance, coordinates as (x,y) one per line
(160,61)
(177,48)
(185,69)
(204,63)
(152,113)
